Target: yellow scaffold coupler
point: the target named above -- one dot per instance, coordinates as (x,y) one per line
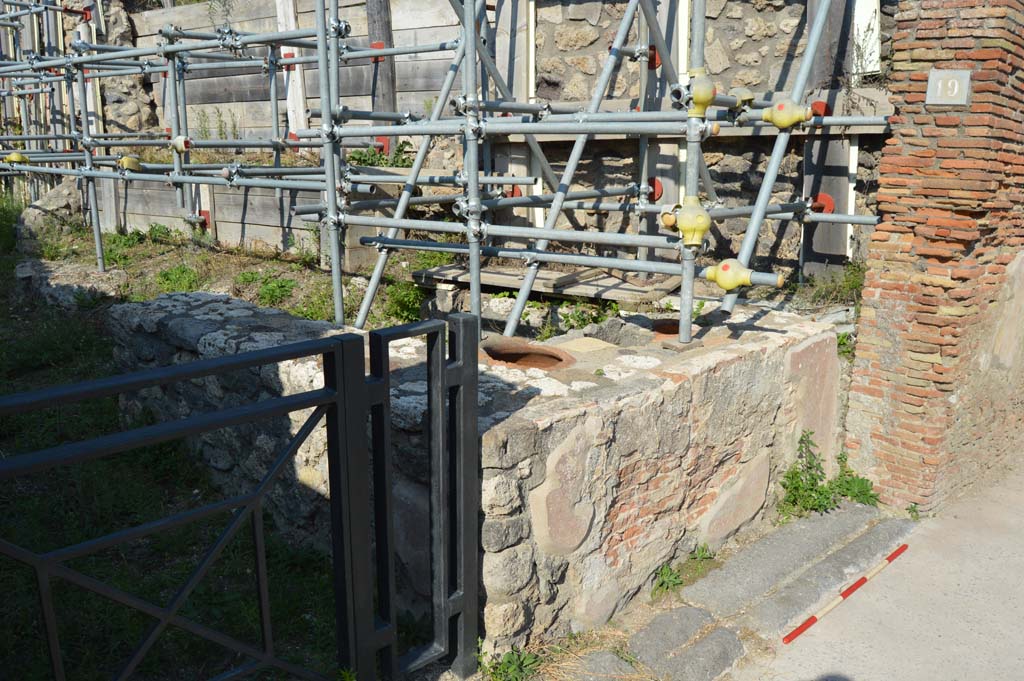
(729,274)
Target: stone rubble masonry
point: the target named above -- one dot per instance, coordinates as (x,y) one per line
(594,474)
(936,393)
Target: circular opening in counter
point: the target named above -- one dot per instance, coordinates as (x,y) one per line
(665,328)
(519,353)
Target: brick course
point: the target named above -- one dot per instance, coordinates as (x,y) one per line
(951,190)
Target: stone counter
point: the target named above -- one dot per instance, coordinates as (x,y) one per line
(596,471)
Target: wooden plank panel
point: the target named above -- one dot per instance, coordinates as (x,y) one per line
(406,14)
(418,76)
(245,207)
(603,286)
(197,16)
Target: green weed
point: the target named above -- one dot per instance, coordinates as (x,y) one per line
(914,512)
(424,260)
(806,487)
(399,158)
(671,579)
(180,278)
(849,485)
(666,580)
(160,233)
(117,247)
(515,665)
(247,278)
(274,291)
(88,300)
(10,211)
(53,250)
(698,309)
(403,301)
(548,331)
(584,314)
(702,553)
(845,344)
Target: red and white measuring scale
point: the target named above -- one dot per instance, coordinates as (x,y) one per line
(843,595)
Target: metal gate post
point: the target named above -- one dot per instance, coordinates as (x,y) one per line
(464,442)
(342,362)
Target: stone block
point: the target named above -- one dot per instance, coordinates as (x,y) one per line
(602,665)
(794,601)
(738,504)
(585,10)
(657,642)
(507,572)
(561,517)
(569,38)
(750,573)
(707,659)
(812,374)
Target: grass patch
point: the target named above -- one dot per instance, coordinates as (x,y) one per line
(118,249)
(247,278)
(274,291)
(180,278)
(841,288)
(317,303)
(808,491)
(41,346)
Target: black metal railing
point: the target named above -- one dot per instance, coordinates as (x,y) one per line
(359,472)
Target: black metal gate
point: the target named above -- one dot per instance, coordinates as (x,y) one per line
(362,530)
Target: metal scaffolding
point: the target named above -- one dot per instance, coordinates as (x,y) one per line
(52,144)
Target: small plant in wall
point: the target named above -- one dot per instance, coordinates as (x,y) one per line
(669,579)
(845,343)
(515,665)
(666,580)
(807,490)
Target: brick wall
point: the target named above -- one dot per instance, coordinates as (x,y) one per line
(937,294)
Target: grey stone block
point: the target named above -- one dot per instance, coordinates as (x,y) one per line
(706,659)
(757,568)
(666,634)
(603,665)
(796,600)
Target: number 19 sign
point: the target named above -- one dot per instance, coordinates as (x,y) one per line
(948,87)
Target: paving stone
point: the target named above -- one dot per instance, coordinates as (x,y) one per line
(798,599)
(603,665)
(667,633)
(706,659)
(757,568)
